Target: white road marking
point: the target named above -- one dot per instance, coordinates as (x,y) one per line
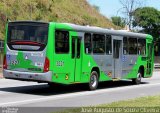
(69,95)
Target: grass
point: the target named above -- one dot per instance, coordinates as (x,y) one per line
(149,103)
(71,11)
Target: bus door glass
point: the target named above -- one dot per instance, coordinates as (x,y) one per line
(117,54)
(76,56)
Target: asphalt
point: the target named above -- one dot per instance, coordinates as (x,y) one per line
(32,94)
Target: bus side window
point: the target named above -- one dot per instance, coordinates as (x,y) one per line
(141,46)
(108,44)
(61,42)
(88,43)
(132,46)
(125,45)
(98,43)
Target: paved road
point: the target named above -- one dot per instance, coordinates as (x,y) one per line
(31,94)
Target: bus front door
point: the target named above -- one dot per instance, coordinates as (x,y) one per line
(76,57)
(117,54)
(149,58)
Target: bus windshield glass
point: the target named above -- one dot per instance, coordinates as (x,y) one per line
(27,36)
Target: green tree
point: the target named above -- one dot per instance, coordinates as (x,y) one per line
(149,19)
(118,21)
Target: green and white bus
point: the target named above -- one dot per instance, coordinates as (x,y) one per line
(67,54)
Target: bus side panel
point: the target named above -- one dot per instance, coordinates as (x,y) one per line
(129,66)
(62,67)
(105,64)
(132,72)
(89,63)
(63,64)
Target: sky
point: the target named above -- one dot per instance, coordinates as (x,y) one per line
(111,8)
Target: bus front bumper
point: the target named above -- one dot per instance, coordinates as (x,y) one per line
(28,76)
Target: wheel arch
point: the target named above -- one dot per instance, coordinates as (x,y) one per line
(97,70)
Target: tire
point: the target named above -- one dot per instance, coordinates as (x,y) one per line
(93,83)
(138,79)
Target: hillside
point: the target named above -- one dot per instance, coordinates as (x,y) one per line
(72,11)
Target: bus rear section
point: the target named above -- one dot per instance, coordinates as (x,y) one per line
(25,51)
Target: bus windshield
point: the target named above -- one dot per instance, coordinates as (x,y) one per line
(27,36)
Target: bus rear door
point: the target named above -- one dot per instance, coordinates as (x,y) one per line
(76,56)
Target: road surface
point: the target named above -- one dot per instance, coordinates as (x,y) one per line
(32,94)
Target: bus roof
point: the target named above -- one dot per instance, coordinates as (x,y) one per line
(93,29)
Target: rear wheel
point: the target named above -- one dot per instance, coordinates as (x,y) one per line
(93,83)
(138,79)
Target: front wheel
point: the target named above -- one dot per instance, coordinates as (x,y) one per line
(138,79)
(93,83)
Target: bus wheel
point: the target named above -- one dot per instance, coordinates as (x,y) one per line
(138,79)
(93,83)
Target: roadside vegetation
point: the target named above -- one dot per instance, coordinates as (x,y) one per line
(68,11)
(144,102)
(149,101)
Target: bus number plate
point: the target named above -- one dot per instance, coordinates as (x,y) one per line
(59,63)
